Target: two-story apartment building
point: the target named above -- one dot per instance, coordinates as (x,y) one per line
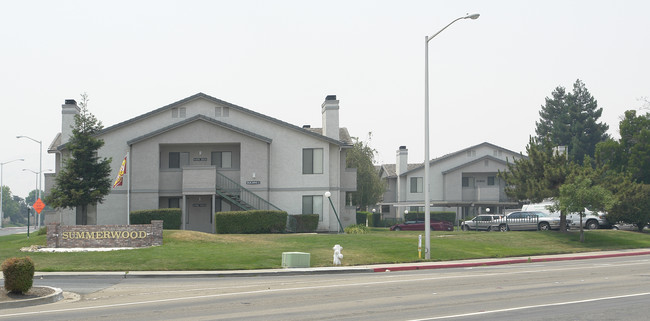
(204,155)
(465,181)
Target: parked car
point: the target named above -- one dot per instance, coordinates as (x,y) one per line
(419,226)
(628,227)
(590,220)
(480,222)
(527,221)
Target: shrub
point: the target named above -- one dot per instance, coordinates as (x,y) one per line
(374,219)
(18,274)
(251,222)
(362,217)
(171,217)
(42,231)
(356,229)
(304,223)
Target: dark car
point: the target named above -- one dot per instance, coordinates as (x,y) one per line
(419,226)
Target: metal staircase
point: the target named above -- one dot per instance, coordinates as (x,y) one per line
(240,196)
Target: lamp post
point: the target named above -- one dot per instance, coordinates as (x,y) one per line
(427,220)
(1,185)
(328,195)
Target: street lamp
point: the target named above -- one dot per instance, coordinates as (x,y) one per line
(427,220)
(328,195)
(40,164)
(1,189)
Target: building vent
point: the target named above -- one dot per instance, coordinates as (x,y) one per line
(306,126)
(330,97)
(70,102)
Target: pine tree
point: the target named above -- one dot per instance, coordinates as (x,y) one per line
(84,179)
(571,119)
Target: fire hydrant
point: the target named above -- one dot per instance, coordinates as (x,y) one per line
(337,254)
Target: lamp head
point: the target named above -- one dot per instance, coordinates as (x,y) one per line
(473,16)
(328,194)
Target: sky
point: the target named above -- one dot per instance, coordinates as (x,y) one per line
(488,77)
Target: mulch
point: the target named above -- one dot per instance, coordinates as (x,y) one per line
(34,292)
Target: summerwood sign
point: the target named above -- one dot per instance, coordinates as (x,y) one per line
(137,235)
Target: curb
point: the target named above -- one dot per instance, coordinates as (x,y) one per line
(505,261)
(51,298)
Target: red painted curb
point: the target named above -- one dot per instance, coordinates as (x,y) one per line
(503,262)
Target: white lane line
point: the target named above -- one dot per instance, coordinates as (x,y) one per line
(533,307)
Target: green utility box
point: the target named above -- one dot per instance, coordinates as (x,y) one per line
(295,260)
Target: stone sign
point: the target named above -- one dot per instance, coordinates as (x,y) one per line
(94,236)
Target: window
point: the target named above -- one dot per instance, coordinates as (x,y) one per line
(416,184)
(490,180)
(468,182)
(313,204)
(178,159)
(471,153)
(221,111)
(222,159)
(178,112)
(312,161)
(174,203)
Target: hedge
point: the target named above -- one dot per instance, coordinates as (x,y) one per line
(251,222)
(434,215)
(303,223)
(171,217)
(362,217)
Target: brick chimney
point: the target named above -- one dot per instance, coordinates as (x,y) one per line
(330,110)
(68,111)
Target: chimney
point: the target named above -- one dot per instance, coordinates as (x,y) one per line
(330,110)
(402,160)
(68,111)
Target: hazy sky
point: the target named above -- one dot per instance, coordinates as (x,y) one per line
(488,77)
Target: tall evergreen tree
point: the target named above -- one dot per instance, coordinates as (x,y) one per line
(84,179)
(538,176)
(571,119)
(370,188)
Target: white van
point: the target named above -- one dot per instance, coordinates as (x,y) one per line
(591,220)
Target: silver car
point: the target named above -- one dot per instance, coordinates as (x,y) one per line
(480,222)
(527,221)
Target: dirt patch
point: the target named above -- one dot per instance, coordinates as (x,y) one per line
(34,292)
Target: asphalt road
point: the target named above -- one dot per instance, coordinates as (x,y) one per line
(594,289)
(16,230)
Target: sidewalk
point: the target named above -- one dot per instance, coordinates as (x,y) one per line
(347,269)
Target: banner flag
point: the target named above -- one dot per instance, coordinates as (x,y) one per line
(120,175)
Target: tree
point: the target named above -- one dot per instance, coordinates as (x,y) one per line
(84,179)
(632,200)
(582,190)
(370,188)
(571,119)
(10,206)
(538,176)
(631,153)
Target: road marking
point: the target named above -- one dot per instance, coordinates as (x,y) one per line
(533,307)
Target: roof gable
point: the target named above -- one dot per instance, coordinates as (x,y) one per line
(194,119)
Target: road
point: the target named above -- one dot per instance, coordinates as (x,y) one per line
(16,230)
(595,289)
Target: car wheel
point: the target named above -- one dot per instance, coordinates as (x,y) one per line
(592,224)
(465,228)
(544,226)
(397,229)
(503,228)
(615,227)
(489,228)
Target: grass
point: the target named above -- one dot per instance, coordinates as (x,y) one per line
(188,250)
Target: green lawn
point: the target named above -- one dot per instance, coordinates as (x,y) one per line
(186,250)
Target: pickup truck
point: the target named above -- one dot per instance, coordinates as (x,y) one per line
(591,220)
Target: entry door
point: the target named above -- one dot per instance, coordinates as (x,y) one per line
(199,213)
